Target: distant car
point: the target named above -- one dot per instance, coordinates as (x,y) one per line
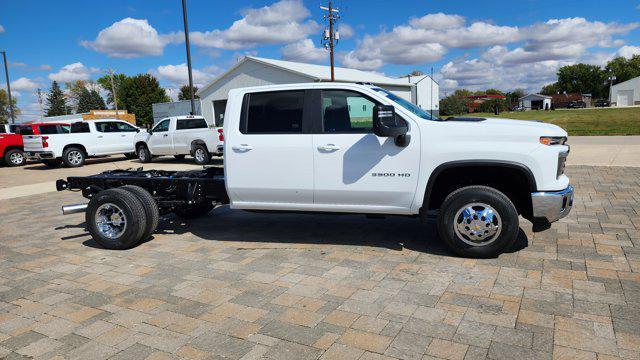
(602,103)
(576,105)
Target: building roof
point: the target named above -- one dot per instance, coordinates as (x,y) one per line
(535,96)
(626,81)
(317,73)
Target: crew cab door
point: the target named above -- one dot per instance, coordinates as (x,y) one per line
(107,137)
(268,153)
(355,170)
(160,141)
(188,130)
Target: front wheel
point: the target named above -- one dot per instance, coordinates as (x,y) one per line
(144,154)
(201,155)
(15,157)
(478,222)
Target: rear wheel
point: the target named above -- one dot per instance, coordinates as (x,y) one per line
(194,211)
(15,157)
(116,219)
(478,222)
(150,209)
(73,157)
(179,157)
(144,154)
(52,162)
(201,155)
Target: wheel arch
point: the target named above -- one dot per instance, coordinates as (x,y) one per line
(198,142)
(492,172)
(12,147)
(79,146)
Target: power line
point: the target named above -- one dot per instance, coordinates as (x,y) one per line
(329,36)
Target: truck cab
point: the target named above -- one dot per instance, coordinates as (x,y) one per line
(359,149)
(180,136)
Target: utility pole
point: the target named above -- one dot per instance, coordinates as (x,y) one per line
(329,36)
(113,91)
(39,95)
(6,73)
(186,40)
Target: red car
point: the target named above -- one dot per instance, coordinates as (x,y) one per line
(11,148)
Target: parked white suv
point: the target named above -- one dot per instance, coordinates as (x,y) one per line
(85,139)
(180,136)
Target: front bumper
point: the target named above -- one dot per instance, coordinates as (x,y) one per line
(552,205)
(40,155)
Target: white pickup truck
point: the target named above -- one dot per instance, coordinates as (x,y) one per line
(349,148)
(85,139)
(179,136)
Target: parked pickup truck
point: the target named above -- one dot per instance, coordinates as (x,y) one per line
(349,148)
(11,145)
(180,136)
(85,139)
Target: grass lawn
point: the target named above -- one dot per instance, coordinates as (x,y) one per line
(601,121)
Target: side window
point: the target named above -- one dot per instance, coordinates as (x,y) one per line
(124,127)
(278,112)
(346,111)
(187,124)
(107,126)
(24,130)
(3,129)
(80,127)
(162,126)
(53,129)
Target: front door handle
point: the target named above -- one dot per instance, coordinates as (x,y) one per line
(123,135)
(100,137)
(328,147)
(165,135)
(242,147)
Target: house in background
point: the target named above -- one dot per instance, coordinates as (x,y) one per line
(535,102)
(563,100)
(476,100)
(255,71)
(626,93)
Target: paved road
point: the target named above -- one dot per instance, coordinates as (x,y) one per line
(605,150)
(243,285)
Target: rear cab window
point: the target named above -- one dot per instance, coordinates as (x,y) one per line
(188,124)
(53,129)
(80,127)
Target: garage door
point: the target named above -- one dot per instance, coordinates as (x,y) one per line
(625,97)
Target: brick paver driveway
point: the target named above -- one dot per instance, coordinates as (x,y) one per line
(242,285)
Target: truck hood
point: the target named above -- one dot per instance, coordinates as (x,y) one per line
(509,126)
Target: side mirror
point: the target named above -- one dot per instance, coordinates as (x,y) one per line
(149,129)
(137,130)
(386,124)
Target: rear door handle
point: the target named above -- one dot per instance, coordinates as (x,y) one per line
(100,137)
(329,147)
(165,135)
(242,147)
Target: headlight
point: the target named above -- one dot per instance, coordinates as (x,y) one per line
(553,140)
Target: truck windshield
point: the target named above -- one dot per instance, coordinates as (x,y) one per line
(406,104)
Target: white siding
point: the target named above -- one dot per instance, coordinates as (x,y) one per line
(628,91)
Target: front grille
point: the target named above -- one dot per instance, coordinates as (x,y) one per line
(562,160)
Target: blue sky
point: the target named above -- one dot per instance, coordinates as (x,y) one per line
(474,45)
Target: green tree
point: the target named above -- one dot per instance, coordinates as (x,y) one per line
(139,93)
(550,89)
(623,69)
(56,102)
(97,100)
(85,101)
(5,111)
(455,103)
(118,81)
(581,79)
(184,93)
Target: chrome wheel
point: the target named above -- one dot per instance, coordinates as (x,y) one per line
(110,220)
(74,157)
(142,154)
(200,155)
(477,224)
(16,158)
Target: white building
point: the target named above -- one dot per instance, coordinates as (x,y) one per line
(254,71)
(535,102)
(626,93)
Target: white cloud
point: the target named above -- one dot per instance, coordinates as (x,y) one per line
(438,21)
(179,75)
(280,23)
(131,38)
(17,64)
(72,72)
(346,31)
(44,67)
(304,51)
(628,51)
(24,84)
(1,29)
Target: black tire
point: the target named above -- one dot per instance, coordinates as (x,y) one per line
(73,157)
(179,157)
(15,157)
(52,163)
(132,210)
(194,211)
(457,201)
(201,155)
(150,209)
(144,155)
